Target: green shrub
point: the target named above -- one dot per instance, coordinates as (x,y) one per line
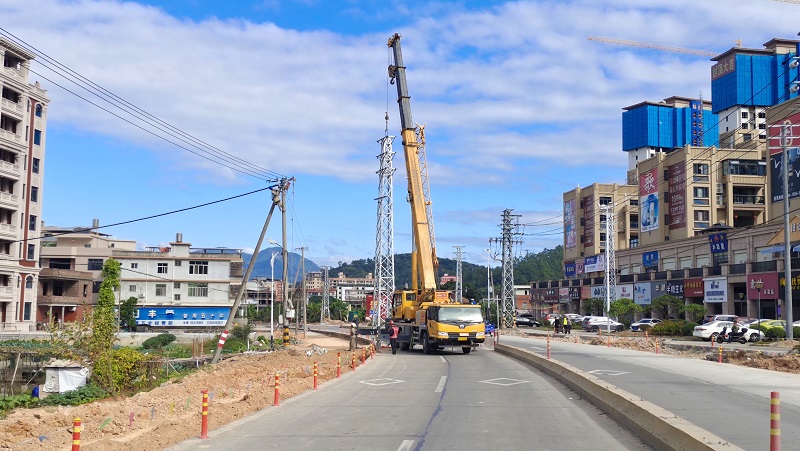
(121,369)
(12,402)
(775,332)
(159,341)
(669,327)
(83,395)
(796,332)
(242,331)
(688,328)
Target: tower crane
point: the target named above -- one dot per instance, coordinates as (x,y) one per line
(652,46)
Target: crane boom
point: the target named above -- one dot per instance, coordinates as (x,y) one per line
(651,46)
(423,246)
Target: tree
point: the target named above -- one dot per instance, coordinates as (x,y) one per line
(625,309)
(666,304)
(595,306)
(127,313)
(103,321)
(695,312)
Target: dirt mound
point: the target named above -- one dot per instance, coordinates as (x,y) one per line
(168,414)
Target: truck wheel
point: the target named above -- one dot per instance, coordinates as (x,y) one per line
(426,348)
(466,349)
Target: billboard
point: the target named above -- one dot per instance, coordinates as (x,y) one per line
(643,293)
(569,269)
(599,292)
(650,259)
(677,195)
(624,291)
(588,220)
(718,242)
(570,225)
(693,288)
(715,289)
(770,288)
(671,287)
(648,200)
(181,316)
(787,134)
(723,67)
(595,263)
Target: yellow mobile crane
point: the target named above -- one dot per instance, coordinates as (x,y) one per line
(425,315)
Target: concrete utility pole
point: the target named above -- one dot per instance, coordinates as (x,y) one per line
(304,299)
(786,137)
(287,301)
(325,311)
(611,267)
(243,287)
(459,283)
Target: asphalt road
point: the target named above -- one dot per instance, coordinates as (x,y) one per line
(728,400)
(412,401)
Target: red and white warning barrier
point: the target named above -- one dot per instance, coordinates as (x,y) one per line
(222,339)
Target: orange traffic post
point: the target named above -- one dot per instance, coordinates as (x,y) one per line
(338,364)
(712,341)
(277,400)
(353,361)
(204,418)
(372,351)
(76,434)
(774,421)
(548,346)
(646,338)
(720,353)
(657,347)
(609,341)
(363,355)
(316,372)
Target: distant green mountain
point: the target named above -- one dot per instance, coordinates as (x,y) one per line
(263,267)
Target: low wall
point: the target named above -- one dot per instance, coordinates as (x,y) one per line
(659,428)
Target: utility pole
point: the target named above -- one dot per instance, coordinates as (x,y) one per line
(459,284)
(787,236)
(304,300)
(287,302)
(276,191)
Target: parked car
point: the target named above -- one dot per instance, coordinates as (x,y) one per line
(712,329)
(548,319)
(596,324)
(647,322)
(710,318)
(770,323)
(796,323)
(526,319)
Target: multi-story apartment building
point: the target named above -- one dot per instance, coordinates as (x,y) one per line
(23,117)
(709,217)
(175,285)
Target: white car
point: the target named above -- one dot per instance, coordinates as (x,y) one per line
(714,328)
(602,323)
(649,322)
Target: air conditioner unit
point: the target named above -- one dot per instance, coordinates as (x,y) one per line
(141,296)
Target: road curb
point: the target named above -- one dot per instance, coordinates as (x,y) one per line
(658,427)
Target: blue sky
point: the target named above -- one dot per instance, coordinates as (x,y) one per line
(519,108)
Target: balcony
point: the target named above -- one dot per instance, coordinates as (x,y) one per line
(737,268)
(6,292)
(695,272)
(8,231)
(9,170)
(768,266)
(17,74)
(13,108)
(748,199)
(9,199)
(11,136)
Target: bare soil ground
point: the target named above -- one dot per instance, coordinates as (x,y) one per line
(171,413)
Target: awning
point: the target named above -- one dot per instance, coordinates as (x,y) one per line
(773,249)
(796,248)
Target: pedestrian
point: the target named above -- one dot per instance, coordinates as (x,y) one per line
(567,326)
(556,324)
(394,331)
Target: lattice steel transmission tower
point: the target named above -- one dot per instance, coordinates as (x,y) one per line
(459,279)
(611,266)
(384,240)
(510,228)
(325,311)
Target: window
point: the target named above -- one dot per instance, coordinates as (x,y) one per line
(701,192)
(29,282)
(38,110)
(602,218)
(178,263)
(95,264)
(634,242)
(701,168)
(198,290)
(132,288)
(744,114)
(34,194)
(31,252)
(666,218)
(162,268)
(744,126)
(44,288)
(35,166)
(32,222)
(666,197)
(27,314)
(37,137)
(762,126)
(134,265)
(605,200)
(701,215)
(634,202)
(96,287)
(176,285)
(177,297)
(198,267)
(161,289)
(60,263)
(602,237)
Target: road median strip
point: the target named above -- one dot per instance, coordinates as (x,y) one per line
(658,427)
